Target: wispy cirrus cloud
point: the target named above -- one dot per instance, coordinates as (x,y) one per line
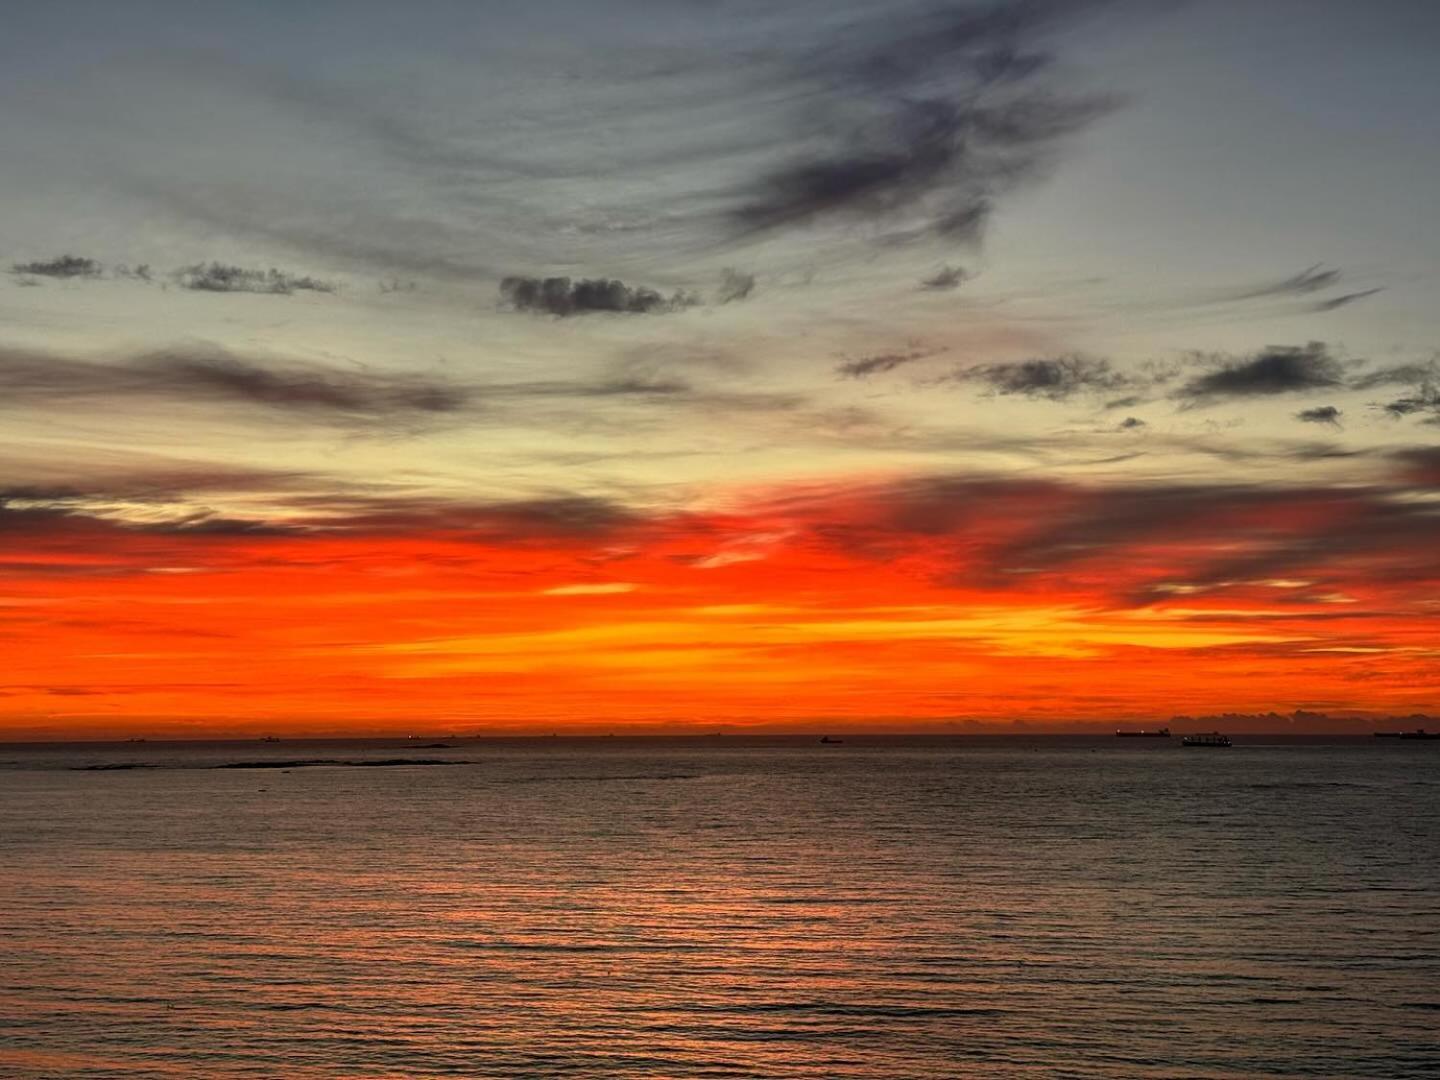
(913,119)
(1310,280)
(1296,293)
(1336,302)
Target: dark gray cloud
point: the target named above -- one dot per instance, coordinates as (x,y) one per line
(221,277)
(1423,380)
(1425,400)
(1311,279)
(90,508)
(863,367)
(947,277)
(734,286)
(1321,414)
(1275,370)
(926,119)
(588,296)
(1397,375)
(75,520)
(1054,379)
(1347,299)
(208,375)
(1137,542)
(1301,287)
(201,277)
(61,266)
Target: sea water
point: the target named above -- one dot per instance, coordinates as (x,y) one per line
(722,907)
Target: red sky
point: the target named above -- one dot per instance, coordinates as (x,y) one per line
(905,603)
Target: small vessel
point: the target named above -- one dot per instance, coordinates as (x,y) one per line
(1144,733)
(1420,733)
(829,741)
(270,738)
(1212,738)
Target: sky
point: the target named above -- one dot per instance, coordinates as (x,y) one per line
(717,365)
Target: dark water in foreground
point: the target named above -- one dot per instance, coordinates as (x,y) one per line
(724,908)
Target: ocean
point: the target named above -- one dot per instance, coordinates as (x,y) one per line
(722,907)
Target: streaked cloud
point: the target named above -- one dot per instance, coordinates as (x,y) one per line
(1310,280)
(862,367)
(1336,302)
(924,122)
(204,374)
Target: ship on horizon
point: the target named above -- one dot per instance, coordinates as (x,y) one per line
(1144,733)
(1418,734)
(1210,738)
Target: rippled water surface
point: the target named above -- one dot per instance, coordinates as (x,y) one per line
(722,908)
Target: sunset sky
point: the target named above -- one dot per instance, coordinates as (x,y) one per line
(679,365)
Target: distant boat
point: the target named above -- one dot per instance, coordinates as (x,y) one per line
(270,738)
(1420,733)
(829,741)
(1144,733)
(1213,738)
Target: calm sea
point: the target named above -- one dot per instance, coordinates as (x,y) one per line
(723,907)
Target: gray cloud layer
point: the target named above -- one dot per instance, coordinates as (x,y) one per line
(207,375)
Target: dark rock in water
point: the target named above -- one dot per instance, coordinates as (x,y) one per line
(304,763)
(405,761)
(309,763)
